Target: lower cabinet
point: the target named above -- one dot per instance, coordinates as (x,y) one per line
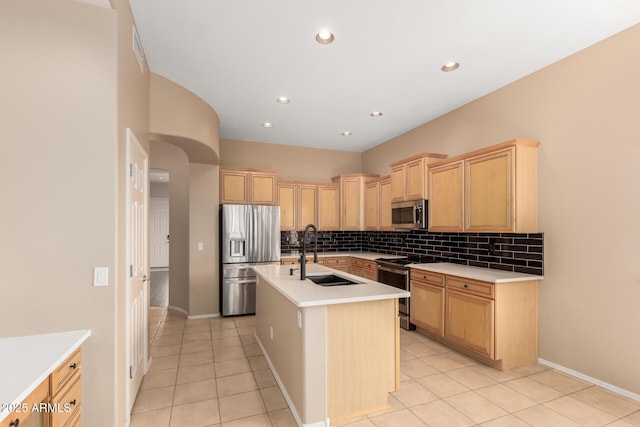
(427,301)
(56,401)
(364,268)
(337,263)
(497,323)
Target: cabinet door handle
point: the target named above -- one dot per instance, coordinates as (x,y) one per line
(73,366)
(73,402)
(15,423)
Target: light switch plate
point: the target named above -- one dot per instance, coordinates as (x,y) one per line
(101,276)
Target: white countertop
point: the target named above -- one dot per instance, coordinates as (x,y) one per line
(477,273)
(358,254)
(305,293)
(27,361)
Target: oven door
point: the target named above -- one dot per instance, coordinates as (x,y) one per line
(398,279)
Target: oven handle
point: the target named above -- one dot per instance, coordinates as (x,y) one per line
(392,270)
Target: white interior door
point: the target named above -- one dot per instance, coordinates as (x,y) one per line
(137,255)
(159,256)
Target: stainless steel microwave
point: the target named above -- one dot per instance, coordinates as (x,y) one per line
(409,215)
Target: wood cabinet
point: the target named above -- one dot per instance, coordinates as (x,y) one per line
(352,196)
(248,186)
(328,207)
(499,191)
(24,414)
(337,263)
(57,399)
(427,301)
(497,323)
(364,268)
(378,204)
(446,205)
(409,177)
(298,205)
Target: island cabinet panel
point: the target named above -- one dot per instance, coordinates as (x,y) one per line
(427,301)
(361,359)
(328,207)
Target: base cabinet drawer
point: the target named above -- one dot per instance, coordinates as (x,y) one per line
(67,403)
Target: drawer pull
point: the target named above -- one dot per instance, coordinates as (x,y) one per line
(73,366)
(73,402)
(15,423)
(466,286)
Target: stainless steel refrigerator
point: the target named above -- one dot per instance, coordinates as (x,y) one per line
(249,235)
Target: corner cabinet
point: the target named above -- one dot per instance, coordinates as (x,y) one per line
(328,207)
(489,190)
(248,186)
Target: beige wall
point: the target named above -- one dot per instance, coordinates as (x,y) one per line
(182,118)
(171,158)
(204,280)
(584,110)
(58,166)
(294,163)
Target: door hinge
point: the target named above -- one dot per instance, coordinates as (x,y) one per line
(130,371)
(130,169)
(130,270)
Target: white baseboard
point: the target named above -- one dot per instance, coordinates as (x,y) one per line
(203,316)
(292,407)
(580,375)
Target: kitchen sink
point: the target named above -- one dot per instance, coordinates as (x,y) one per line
(331,280)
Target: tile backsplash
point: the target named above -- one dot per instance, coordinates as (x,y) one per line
(522,253)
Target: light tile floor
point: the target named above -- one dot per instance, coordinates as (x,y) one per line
(210,372)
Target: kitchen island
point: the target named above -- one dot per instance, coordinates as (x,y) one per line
(334,350)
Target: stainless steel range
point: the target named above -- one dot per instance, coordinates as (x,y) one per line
(395,272)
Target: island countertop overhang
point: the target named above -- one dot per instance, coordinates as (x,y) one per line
(305,293)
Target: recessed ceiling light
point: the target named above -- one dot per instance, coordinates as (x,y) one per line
(283,100)
(324,37)
(450,66)
(346,133)
(376,114)
(267,125)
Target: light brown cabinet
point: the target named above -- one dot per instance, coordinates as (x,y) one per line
(378,204)
(24,415)
(328,207)
(298,205)
(427,301)
(499,193)
(337,263)
(409,177)
(364,268)
(248,186)
(497,323)
(352,196)
(446,205)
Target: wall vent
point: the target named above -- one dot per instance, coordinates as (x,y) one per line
(137,49)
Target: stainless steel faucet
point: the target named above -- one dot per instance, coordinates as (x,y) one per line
(303,257)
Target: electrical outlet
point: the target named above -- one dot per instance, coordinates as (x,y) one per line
(271,332)
(299,320)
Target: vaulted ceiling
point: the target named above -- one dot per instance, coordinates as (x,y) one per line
(386,56)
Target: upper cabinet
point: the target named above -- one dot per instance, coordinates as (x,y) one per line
(248,186)
(409,177)
(378,204)
(352,207)
(500,192)
(298,205)
(328,207)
